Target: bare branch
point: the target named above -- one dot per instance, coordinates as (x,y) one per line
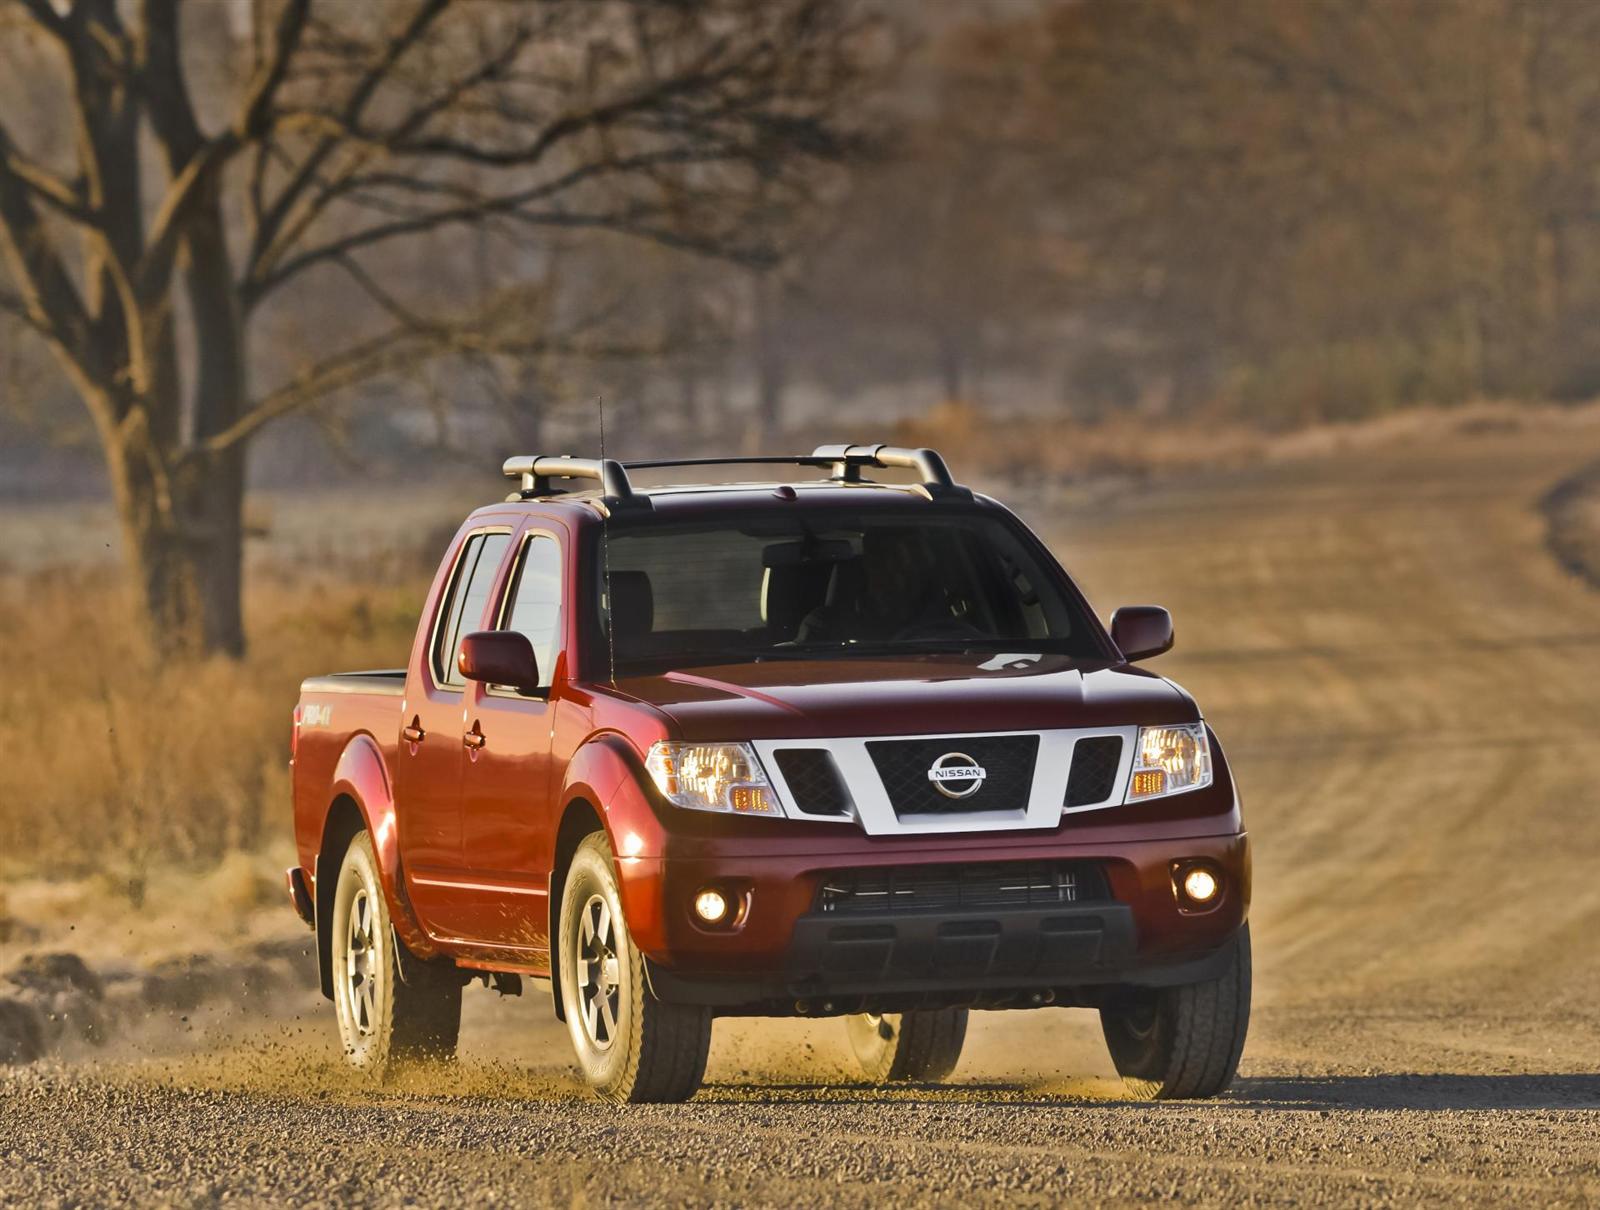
(623,110)
(477,208)
(253,114)
(399,348)
(264,254)
(428,12)
(11,304)
(184,196)
(385,301)
(46,296)
(194,160)
(107,119)
(45,17)
(61,195)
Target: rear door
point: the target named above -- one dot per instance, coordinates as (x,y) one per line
(431,750)
(507,816)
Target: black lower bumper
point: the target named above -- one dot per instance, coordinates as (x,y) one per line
(999,959)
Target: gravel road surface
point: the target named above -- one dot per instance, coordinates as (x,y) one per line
(1406,681)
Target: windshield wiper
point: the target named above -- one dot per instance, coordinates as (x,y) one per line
(892,647)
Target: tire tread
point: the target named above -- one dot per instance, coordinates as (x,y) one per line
(419,1002)
(667,1043)
(926,1048)
(1203,1026)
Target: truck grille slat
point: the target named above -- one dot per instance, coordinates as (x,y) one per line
(958,887)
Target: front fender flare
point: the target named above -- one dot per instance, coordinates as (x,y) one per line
(605,773)
(604,779)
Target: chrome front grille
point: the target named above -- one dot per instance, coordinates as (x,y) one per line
(881,783)
(1007,762)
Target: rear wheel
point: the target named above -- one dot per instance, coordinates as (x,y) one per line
(391,1006)
(922,1046)
(1179,1043)
(630,1046)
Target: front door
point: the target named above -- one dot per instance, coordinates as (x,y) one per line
(507,799)
(431,753)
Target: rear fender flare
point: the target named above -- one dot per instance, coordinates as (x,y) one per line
(362,777)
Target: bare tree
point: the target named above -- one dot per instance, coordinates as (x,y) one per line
(355,134)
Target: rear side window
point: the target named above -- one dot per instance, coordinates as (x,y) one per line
(534,604)
(469,594)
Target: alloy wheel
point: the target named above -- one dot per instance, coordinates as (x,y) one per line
(362,966)
(599,972)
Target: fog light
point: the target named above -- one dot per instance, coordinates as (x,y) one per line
(1200,885)
(710,905)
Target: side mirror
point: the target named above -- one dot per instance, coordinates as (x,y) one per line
(1141,631)
(499,657)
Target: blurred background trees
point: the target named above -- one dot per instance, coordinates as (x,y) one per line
(1332,207)
(417,165)
(434,236)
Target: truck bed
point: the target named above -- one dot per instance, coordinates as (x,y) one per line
(333,710)
(388,682)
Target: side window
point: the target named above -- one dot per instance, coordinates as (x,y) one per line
(469,593)
(533,606)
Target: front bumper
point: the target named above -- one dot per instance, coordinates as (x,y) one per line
(787,956)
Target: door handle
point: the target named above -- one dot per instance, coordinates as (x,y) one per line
(414,734)
(475,738)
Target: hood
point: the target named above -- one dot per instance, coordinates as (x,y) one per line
(914,695)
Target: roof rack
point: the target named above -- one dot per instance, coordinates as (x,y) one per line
(843,461)
(537,470)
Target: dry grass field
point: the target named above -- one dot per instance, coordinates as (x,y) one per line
(144,765)
(1404,677)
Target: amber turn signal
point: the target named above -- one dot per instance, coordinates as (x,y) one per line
(1148,783)
(751,800)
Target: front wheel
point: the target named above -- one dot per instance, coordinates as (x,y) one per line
(386,1014)
(630,1046)
(923,1046)
(1180,1043)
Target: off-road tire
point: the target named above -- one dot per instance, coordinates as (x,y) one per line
(396,1007)
(921,1047)
(1182,1043)
(650,1051)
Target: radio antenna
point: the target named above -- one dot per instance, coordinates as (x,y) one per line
(605,555)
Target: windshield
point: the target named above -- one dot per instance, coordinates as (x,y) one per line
(799,586)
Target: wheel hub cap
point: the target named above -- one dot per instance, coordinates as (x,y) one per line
(362,966)
(599,972)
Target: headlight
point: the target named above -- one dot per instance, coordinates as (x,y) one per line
(712,777)
(1170,760)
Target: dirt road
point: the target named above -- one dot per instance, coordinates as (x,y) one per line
(1407,684)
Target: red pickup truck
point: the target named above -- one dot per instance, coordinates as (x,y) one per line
(820,748)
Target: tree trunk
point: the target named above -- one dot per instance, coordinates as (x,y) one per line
(179,487)
(209,500)
(183,540)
